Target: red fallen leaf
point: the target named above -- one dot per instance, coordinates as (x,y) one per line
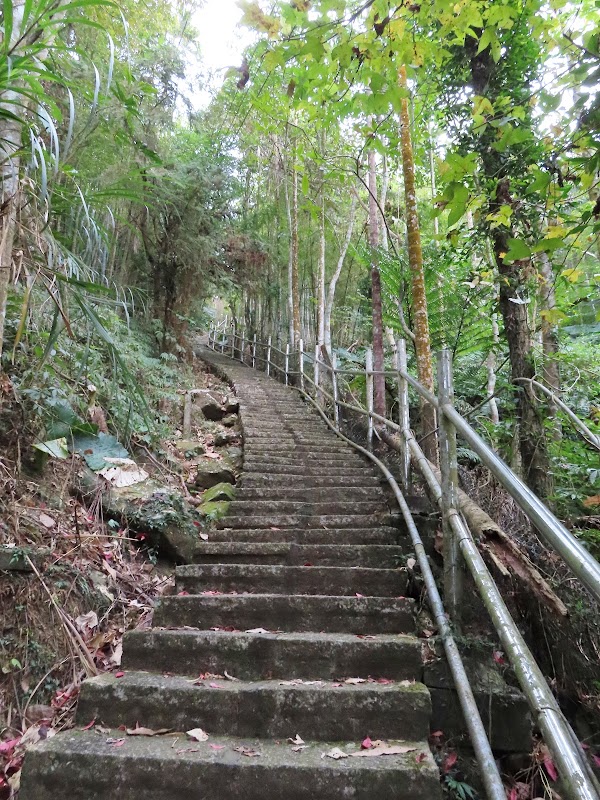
(89,725)
(366,744)
(421,757)
(359,595)
(14,766)
(513,794)
(182,594)
(215,686)
(596,760)
(9,745)
(217,746)
(450,761)
(119,674)
(498,657)
(308,564)
(550,769)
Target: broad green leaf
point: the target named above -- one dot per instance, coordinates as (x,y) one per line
(57,448)
(517,251)
(95,449)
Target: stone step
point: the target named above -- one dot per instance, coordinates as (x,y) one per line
(274,709)
(324,521)
(310,459)
(384,535)
(376,556)
(327,494)
(260,480)
(267,467)
(83,765)
(295,580)
(263,508)
(282,447)
(330,614)
(281,656)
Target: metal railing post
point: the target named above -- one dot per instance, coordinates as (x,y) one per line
(243,345)
(404,412)
(287,363)
(301,362)
(233,340)
(370,395)
(253,351)
(334,386)
(316,375)
(453,579)
(269,356)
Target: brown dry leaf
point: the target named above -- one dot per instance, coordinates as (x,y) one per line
(230,677)
(383,750)
(139,731)
(247,751)
(588,502)
(198,735)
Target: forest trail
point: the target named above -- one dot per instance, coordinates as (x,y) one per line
(295,618)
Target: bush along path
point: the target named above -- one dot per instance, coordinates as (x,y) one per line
(287,665)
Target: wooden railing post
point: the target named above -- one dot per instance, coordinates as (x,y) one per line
(404,412)
(453,579)
(370,395)
(334,386)
(287,363)
(301,362)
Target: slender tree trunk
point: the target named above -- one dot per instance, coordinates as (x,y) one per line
(321,275)
(376,304)
(419,298)
(551,369)
(336,275)
(294,280)
(385,183)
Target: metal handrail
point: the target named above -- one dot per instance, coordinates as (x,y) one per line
(579,781)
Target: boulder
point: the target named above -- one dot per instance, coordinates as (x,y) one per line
(209,474)
(212,410)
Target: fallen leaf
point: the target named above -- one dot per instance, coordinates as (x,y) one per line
(384,750)
(588,502)
(215,686)
(498,657)
(296,739)
(450,761)
(411,563)
(550,769)
(257,630)
(359,595)
(198,735)
(139,731)
(204,537)
(89,725)
(596,760)
(247,751)
(115,742)
(366,744)
(122,472)
(421,757)
(46,520)
(217,746)
(230,677)
(336,753)
(355,681)
(119,674)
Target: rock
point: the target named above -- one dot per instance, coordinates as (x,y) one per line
(227,437)
(190,446)
(212,410)
(231,406)
(14,559)
(230,420)
(209,474)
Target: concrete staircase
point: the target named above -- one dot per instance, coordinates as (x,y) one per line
(296,591)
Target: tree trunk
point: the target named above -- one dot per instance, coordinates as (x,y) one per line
(321,275)
(338,271)
(419,298)
(551,370)
(294,281)
(377,312)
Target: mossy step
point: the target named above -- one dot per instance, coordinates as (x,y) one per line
(312,521)
(285,580)
(265,709)
(331,555)
(85,765)
(333,614)
(383,535)
(284,656)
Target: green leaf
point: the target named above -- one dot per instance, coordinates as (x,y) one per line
(458,203)
(219,489)
(95,449)
(518,251)
(7,23)
(57,448)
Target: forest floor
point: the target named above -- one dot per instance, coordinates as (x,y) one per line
(73,575)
